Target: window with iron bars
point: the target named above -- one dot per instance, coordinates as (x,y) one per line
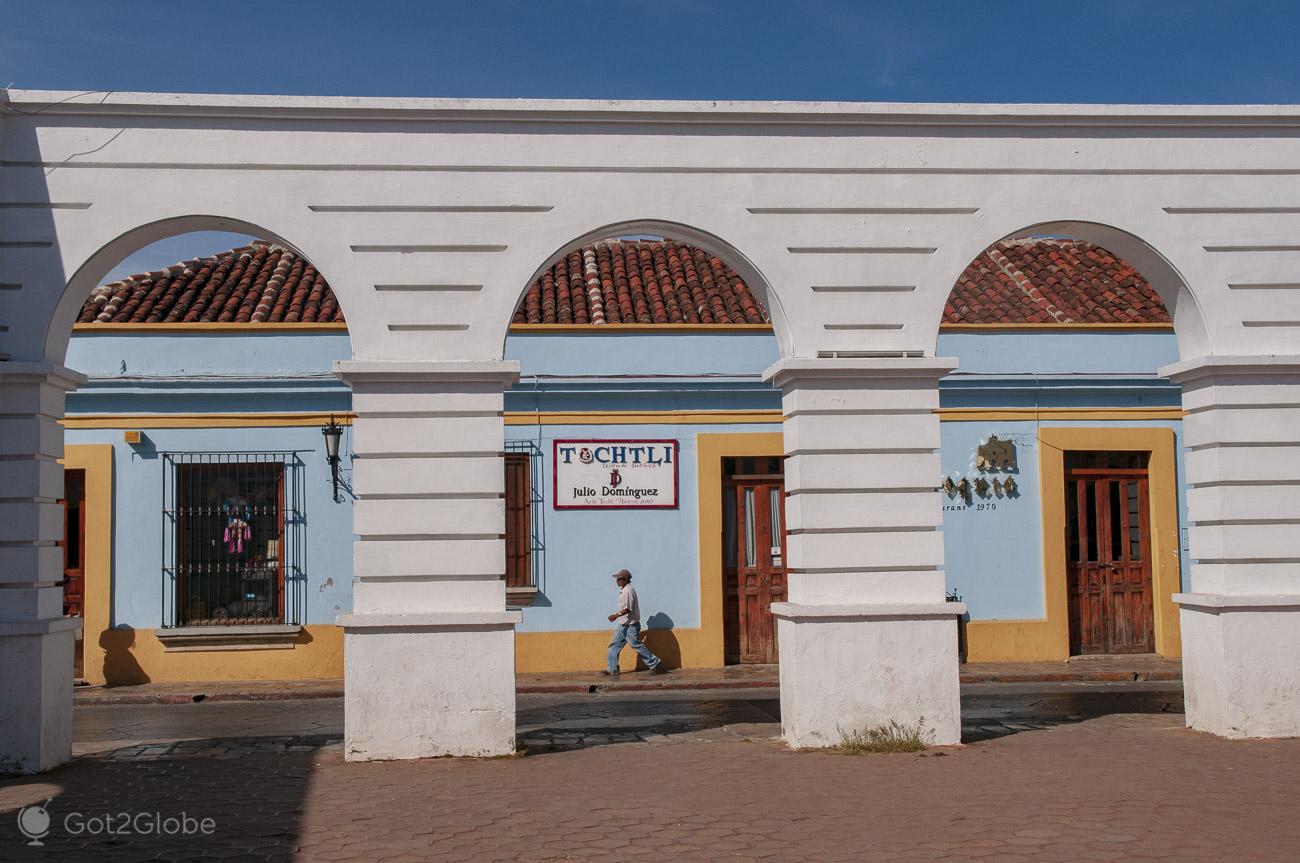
(525,549)
(233,537)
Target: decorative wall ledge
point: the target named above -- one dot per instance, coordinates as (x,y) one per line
(520,597)
(193,639)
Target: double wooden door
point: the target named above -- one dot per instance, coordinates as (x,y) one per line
(754,559)
(1108,548)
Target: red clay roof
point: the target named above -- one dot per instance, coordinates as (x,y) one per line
(258,283)
(1039,281)
(640,282)
(1046,281)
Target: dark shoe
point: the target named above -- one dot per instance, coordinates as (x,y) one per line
(659,668)
(610,673)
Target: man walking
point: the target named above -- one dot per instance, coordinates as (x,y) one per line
(627,627)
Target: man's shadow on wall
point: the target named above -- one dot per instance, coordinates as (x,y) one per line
(662,641)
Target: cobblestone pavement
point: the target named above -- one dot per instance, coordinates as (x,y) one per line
(712,782)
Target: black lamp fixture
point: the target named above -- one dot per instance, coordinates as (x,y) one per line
(333,434)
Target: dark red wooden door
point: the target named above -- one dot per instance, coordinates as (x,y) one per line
(1108,545)
(74,551)
(754,575)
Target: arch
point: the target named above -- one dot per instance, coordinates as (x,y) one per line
(92,271)
(738,261)
(1189,322)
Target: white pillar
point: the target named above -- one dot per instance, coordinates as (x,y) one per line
(429,648)
(36,640)
(1241,622)
(866,638)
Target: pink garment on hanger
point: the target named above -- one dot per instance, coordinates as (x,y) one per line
(237,533)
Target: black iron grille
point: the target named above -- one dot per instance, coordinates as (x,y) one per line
(233,538)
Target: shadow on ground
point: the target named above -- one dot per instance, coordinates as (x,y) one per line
(128,804)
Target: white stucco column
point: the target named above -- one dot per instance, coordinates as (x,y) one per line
(1241,622)
(36,640)
(429,648)
(866,637)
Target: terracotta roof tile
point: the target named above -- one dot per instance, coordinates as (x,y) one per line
(1046,281)
(1039,281)
(639,282)
(258,283)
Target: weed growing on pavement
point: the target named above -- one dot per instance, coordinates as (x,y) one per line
(891,737)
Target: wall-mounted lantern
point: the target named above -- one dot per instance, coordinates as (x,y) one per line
(333,435)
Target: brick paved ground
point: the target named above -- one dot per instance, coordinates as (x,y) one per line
(1128,786)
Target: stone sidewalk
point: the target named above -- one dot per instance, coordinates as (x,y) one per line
(1112,788)
(1101,670)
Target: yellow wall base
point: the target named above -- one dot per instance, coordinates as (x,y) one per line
(122,657)
(538,652)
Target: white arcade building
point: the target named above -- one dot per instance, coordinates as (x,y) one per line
(852,221)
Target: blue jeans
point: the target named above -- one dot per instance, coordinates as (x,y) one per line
(630,633)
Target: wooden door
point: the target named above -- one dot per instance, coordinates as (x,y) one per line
(754,568)
(1108,548)
(74,551)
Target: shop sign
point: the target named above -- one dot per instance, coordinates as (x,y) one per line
(615,474)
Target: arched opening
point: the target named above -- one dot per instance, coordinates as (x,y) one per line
(1062,445)
(643,345)
(216,234)
(203,525)
(728,262)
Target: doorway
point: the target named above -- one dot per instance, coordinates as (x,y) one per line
(1108,552)
(754,556)
(74,564)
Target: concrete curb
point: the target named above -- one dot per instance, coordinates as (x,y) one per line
(100,696)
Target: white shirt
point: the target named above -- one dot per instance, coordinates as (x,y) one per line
(627,600)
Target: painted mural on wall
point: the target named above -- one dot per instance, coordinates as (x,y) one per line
(615,474)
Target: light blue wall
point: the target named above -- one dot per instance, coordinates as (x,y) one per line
(993,555)
(1068,352)
(326,557)
(129,354)
(585,547)
(208,373)
(681,353)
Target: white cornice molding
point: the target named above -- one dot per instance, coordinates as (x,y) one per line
(1186,371)
(795,369)
(113,103)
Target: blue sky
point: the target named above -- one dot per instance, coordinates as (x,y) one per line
(1131,51)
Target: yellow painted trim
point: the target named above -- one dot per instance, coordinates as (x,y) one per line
(97,461)
(636,329)
(221,420)
(1049,639)
(710,450)
(212,327)
(1032,414)
(701,647)
(1055,328)
(526,418)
